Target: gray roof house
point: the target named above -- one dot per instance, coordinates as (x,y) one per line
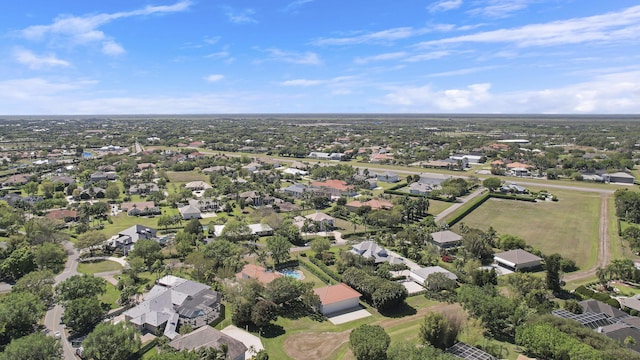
(126,239)
(388,176)
(208,337)
(371,250)
(419,188)
(421,275)
(446,239)
(175,301)
(619,177)
(516,260)
(189,212)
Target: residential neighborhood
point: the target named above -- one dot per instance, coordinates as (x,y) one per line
(187,245)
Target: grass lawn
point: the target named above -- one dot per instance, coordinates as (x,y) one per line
(625,290)
(436,206)
(569,226)
(185,177)
(123,221)
(92,267)
(111,296)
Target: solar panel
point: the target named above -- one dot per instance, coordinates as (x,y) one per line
(468,352)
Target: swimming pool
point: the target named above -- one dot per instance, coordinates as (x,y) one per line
(296,274)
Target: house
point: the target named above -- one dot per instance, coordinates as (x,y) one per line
(127,238)
(513,188)
(295,172)
(17,179)
(261,229)
(143,189)
(421,275)
(618,177)
(319,155)
(189,212)
(140,208)
(102,176)
(434,181)
(378,254)
(335,188)
(517,260)
(446,239)
(92,192)
(208,337)
(205,204)
(388,176)
(457,161)
(256,229)
(380,158)
(144,166)
(175,301)
(322,221)
(620,332)
(251,271)
(337,298)
(419,188)
(218,169)
(66,180)
(374,204)
(465,351)
(65,215)
(298,190)
(197,185)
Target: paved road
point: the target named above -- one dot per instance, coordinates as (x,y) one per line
(454,207)
(54,315)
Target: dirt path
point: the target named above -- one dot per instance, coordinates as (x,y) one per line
(603,244)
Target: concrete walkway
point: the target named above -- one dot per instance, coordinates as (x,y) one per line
(252,342)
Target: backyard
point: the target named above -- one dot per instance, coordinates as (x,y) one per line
(569,226)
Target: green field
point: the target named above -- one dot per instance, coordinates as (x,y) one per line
(569,226)
(436,206)
(185,176)
(93,267)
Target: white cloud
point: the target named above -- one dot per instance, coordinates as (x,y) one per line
(428,56)
(501,8)
(112,48)
(384,36)
(444,5)
(244,16)
(605,28)
(306,58)
(33,61)
(82,30)
(614,93)
(214,78)
(380,57)
(462,71)
(303,82)
(293,6)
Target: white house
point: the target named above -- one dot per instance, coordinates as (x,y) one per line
(337,298)
(517,260)
(190,212)
(420,275)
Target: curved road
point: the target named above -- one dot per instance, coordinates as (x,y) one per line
(54,315)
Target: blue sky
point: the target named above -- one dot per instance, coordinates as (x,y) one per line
(319,56)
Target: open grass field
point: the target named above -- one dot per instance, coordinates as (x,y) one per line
(436,206)
(111,296)
(569,227)
(123,221)
(185,176)
(93,267)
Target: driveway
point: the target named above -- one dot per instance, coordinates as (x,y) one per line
(54,315)
(252,342)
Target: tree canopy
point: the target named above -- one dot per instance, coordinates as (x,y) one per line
(369,342)
(111,342)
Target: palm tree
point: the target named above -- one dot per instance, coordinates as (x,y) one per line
(602,275)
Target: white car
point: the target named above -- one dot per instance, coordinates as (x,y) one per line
(57,335)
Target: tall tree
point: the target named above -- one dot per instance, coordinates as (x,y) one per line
(149,250)
(39,283)
(279,248)
(112,342)
(369,342)
(19,315)
(36,346)
(437,331)
(80,286)
(82,314)
(50,256)
(553,266)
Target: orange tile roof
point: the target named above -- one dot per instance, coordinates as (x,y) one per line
(518,165)
(375,204)
(257,272)
(334,184)
(336,293)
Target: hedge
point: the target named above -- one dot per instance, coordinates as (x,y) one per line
(474,205)
(512,197)
(332,274)
(586,293)
(317,272)
(148,346)
(289,264)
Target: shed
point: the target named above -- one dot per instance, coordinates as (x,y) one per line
(517,260)
(421,275)
(337,298)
